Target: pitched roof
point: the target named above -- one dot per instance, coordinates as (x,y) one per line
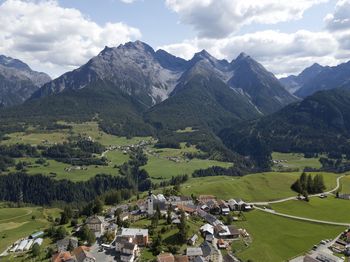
(181,258)
(62,257)
(165,257)
(81,253)
(194,251)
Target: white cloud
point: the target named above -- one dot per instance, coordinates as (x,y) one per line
(128,1)
(340,18)
(281,53)
(218,19)
(55,39)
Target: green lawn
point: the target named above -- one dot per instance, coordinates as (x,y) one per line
(278,239)
(16,223)
(329,209)
(295,160)
(165,169)
(345,185)
(36,138)
(254,187)
(114,157)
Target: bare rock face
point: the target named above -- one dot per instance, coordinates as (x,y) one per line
(17,81)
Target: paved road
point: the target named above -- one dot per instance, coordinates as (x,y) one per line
(295,197)
(270,211)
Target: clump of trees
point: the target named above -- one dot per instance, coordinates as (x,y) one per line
(307,184)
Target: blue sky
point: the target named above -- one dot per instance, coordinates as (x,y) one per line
(56,36)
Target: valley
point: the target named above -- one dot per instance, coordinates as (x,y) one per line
(165,163)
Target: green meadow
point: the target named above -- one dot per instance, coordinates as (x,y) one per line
(296,160)
(254,187)
(329,209)
(16,223)
(279,239)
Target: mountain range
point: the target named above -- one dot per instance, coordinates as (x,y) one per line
(154,76)
(316,78)
(18,81)
(133,90)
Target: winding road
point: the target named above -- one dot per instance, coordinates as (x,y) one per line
(270,211)
(295,197)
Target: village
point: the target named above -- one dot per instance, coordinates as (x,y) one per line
(128,243)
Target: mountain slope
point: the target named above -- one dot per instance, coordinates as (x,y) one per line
(293,83)
(261,86)
(17,81)
(133,68)
(116,111)
(327,78)
(320,123)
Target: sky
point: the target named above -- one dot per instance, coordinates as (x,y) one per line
(56,36)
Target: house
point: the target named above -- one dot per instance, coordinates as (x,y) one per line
(209,238)
(227,232)
(120,241)
(190,209)
(225,209)
(168,257)
(62,245)
(192,252)
(165,257)
(82,254)
(345,196)
(181,258)
(129,253)
(36,235)
(199,259)
(63,257)
(193,240)
(138,236)
(206,198)
(95,224)
(326,257)
(210,252)
(207,229)
(237,204)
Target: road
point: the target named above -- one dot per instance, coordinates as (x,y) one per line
(270,211)
(295,197)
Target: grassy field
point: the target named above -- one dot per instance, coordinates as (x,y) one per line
(165,169)
(278,239)
(254,187)
(115,158)
(295,160)
(16,223)
(329,209)
(345,185)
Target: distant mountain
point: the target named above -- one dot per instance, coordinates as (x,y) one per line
(293,83)
(153,76)
(17,81)
(134,68)
(319,123)
(327,78)
(261,86)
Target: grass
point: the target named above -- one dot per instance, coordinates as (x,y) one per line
(165,169)
(188,129)
(16,223)
(115,158)
(254,187)
(278,239)
(295,160)
(329,209)
(345,185)
(36,137)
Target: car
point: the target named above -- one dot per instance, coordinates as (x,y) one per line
(314,247)
(323,242)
